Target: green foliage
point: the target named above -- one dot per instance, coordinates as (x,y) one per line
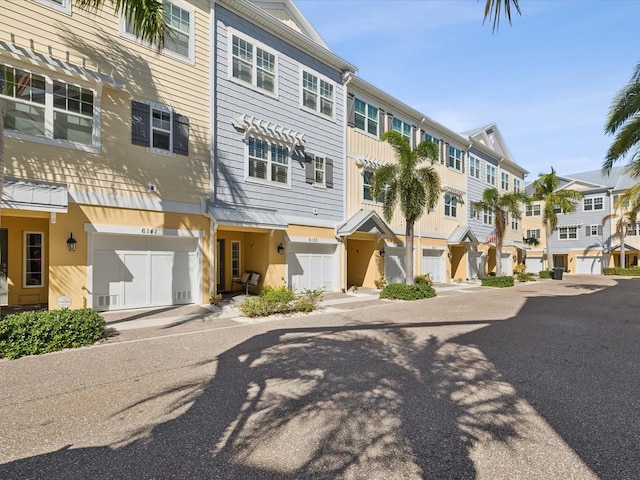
(380,283)
(520,268)
(627,272)
(423,280)
(33,333)
(281,300)
(546,273)
(526,277)
(498,282)
(400,291)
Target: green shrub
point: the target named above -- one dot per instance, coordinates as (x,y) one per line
(281,300)
(546,273)
(400,291)
(520,268)
(498,282)
(380,283)
(628,272)
(33,333)
(526,277)
(423,280)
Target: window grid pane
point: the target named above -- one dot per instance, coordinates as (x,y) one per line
(33,260)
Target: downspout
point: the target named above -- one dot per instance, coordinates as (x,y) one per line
(346,78)
(213,225)
(213,228)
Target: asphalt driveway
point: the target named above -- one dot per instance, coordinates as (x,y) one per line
(536,381)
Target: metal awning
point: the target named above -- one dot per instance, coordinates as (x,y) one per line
(518,245)
(462,234)
(457,191)
(247,217)
(29,195)
(369,162)
(272,131)
(366,221)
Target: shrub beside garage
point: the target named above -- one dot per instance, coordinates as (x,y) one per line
(627,272)
(498,282)
(33,333)
(400,291)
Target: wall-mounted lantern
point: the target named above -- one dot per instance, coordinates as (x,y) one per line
(382,252)
(71,243)
(450,255)
(280,248)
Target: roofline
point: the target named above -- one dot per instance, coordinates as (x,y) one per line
(490,151)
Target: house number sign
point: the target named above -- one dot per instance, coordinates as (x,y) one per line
(313,240)
(150,231)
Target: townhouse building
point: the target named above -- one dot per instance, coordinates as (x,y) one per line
(491,165)
(583,242)
(106,157)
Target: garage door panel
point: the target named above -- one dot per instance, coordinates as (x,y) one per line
(107,285)
(394,265)
(312,266)
(161,270)
(433,263)
(506,264)
(589,265)
(135,277)
(534,264)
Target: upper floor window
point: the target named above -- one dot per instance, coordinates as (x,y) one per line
(366,117)
(44,107)
(403,127)
(159,128)
(567,233)
(180,20)
(61,5)
(516,185)
(596,203)
(533,233)
(253,64)
(450,205)
(474,167)
(454,158)
(491,175)
(317,94)
(504,177)
(367,193)
(593,230)
(531,210)
(634,229)
(430,138)
(267,161)
(487,216)
(515,223)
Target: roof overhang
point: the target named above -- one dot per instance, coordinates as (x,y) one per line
(626,247)
(462,234)
(234,216)
(366,221)
(39,196)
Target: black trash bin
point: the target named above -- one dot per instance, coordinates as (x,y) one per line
(557,273)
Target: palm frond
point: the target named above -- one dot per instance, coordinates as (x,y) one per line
(493,11)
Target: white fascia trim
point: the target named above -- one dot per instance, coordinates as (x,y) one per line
(311,222)
(135,203)
(136,230)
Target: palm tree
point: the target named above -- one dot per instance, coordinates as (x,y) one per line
(492,10)
(546,189)
(500,206)
(630,203)
(624,122)
(406,182)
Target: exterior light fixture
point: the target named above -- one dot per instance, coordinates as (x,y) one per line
(280,248)
(382,252)
(71,243)
(450,255)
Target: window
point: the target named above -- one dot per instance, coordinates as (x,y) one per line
(454,158)
(180,39)
(634,229)
(474,167)
(235,259)
(516,185)
(567,233)
(593,230)
(450,205)
(317,94)
(319,170)
(403,127)
(596,203)
(491,175)
(367,194)
(487,216)
(532,210)
(159,128)
(61,5)
(515,223)
(253,65)
(533,233)
(33,259)
(430,138)
(366,117)
(44,107)
(504,180)
(268,161)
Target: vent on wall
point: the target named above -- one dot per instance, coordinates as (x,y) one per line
(107,300)
(183,295)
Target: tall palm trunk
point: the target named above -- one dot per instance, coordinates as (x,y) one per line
(623,264)
(547,235)
(1,163)
(408,253)
(500,228)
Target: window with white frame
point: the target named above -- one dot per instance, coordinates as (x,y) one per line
(44,107)
(534,233)
(593,230)
(516,185)
(267,161)
(317,94)
(567,233)
(474,167)
(634,229)
(235,259)
(253,64)
(487,216)
(594,203)
(532,210)
(60,5)
(159,128)
(402,127)
(319,169)
(365,117)
(33,259)
(450,205)
(504,180)
(515,223)
(180,21)
(454,158)
(367,193)
(430,138)
(491,175)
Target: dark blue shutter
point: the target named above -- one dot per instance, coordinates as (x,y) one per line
(329,173)
(140,124)
(351,110)
(180,134)
(381,125)
(309,169)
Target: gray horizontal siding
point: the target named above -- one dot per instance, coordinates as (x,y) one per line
(475,189)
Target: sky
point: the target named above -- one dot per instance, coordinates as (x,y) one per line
(547,80)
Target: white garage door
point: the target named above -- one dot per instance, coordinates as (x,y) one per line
(394,265)
(589,265)
(313,266)
(506,264)
(476,265)
(131,271)
(433,263)
(534,264)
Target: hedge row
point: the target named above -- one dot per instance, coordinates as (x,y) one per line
(400,291)
(498,282)
(546,273)
(629,272)
(33,333)
(281,300)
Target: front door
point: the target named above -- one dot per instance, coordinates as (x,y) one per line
(4,255)
(220,266)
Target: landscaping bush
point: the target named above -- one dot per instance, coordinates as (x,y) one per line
(280,300)
(520,268)
(498,282)
(546,273)
(423,280)
(628,272)
(33,333)
(526,277)
(400,291)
